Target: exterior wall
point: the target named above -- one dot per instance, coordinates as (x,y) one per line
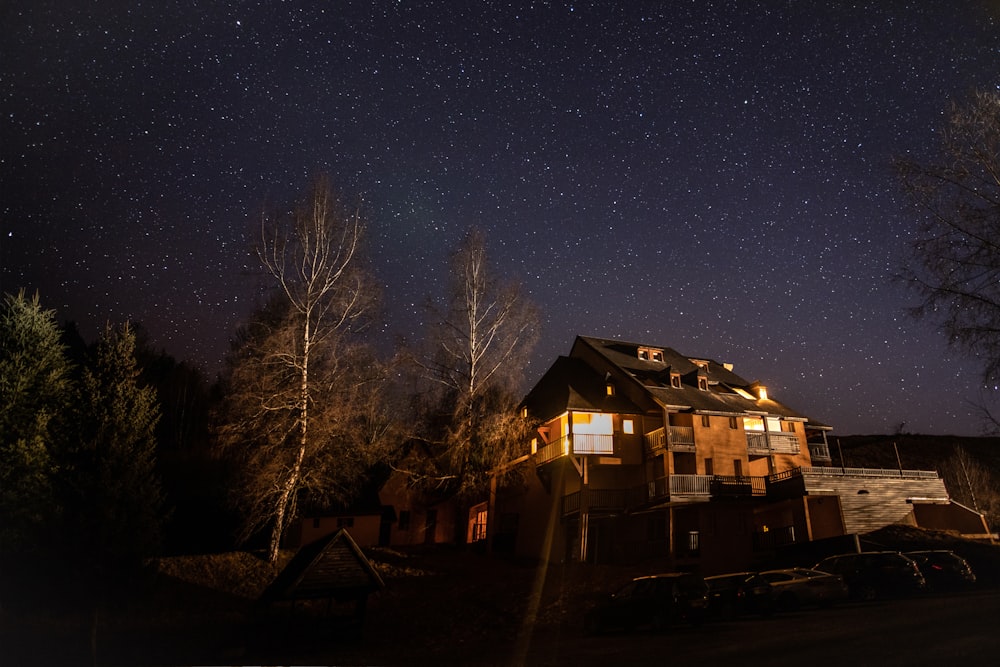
(870,503)
(421,528)
(950,516)
(726,537)
(630,447)
(364,529)
(825,517)
(720,443)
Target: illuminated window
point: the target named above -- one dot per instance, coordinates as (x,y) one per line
(595,423)
(479,526)
(610,388)
(627,426)
(524,412)
(753,424)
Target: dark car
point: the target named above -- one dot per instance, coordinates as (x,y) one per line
(739,593)
(944,570)
(875,574)
(655,601)
(797,587)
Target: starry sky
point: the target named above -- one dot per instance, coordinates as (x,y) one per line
(710,176)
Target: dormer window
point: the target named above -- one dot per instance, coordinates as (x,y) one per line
(702,383)
(675,380)
(650,354)
(609,388)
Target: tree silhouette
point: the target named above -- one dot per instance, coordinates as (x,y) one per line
(955,262)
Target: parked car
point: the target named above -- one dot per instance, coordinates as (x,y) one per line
(799,587)
(738,593)
(943,570)
(655,601)
(875,574)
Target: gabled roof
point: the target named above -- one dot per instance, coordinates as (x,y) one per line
(571,384)
(728,393)
(331,567)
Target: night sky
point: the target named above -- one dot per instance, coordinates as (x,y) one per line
(710,176)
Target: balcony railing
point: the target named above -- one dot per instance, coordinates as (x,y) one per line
(552,451)
(578,443)
(887,473)
(819,451)
(772,442)
(600,500)
(673,438)
(691,485)
(730,485)
(589,443)
(872,472)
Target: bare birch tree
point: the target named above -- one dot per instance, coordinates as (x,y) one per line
(479,348)
(301,383)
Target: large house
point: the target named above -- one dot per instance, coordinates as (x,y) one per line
(643,451)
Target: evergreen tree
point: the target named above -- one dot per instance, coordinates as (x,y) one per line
(35,393)
(115,501)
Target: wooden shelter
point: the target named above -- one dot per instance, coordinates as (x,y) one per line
(333,569)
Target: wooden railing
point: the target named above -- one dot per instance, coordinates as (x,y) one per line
(691,485)
(552,451)
(772,442)
(819,451)
(589,443)
(731,485)
(578,443)
(673,438)
(872,472)
(887,473)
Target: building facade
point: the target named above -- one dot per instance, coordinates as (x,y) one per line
(644,452)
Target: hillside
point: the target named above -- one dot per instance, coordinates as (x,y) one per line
(916,452)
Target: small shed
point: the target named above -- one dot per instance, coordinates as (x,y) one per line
(332,569)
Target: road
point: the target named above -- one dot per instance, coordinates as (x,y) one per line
(953,630)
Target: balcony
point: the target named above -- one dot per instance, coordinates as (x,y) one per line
(819,451)
(598,500)
(578,443)
(763,443)
(728,485)
(675,488)
(691,485)
(672,438)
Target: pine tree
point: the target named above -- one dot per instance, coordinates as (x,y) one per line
(35,393)
(115,499)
